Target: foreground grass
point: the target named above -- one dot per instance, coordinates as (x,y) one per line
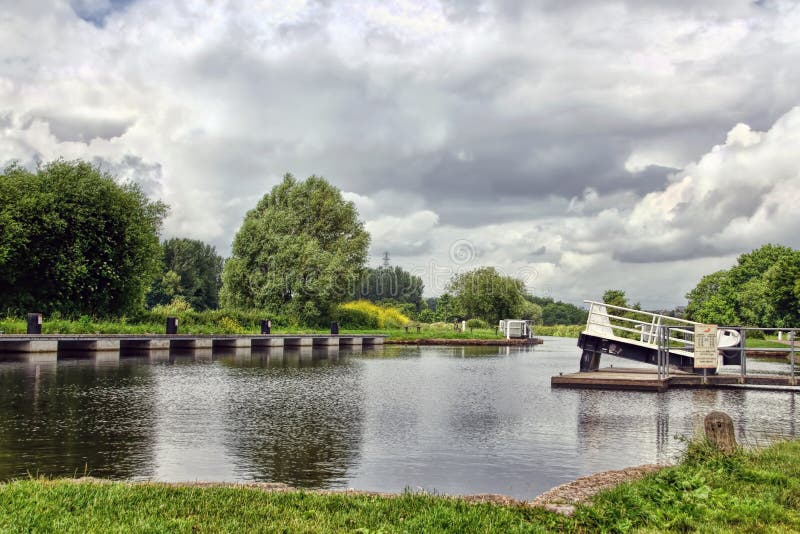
(64,506)
(750,491)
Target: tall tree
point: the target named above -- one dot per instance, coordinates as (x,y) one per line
(298,252)
(192,270)
(486,294)
(393,284)
(75,241)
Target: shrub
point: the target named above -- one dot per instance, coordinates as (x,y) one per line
(477,323)
(365,314)
(178,306)
(755,334)
(350,317)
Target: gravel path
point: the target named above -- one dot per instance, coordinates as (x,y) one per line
(564,498)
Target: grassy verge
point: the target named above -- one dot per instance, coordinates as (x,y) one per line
(227,325)
(764,344)
(750,491)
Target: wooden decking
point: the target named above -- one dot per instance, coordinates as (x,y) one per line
(642,379)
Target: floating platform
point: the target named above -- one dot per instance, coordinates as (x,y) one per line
(38,344)
(639,379)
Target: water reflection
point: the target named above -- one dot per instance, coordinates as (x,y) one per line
(80,416)
(449,419)
(296,416)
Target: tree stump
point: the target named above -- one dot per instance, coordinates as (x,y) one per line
(719,431)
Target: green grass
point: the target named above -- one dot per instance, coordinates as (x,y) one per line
(765,344)
(64,506)
(229,326)
(749,491)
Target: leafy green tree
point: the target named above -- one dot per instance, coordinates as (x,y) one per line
(192,270)
(486,294)
(443,308)
(530,311)
(393,284)
(74,241)
(615,297)
(558,312)
(760,290)
(713,299)
(299,252)
(782,281)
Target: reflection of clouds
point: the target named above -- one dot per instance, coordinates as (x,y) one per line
(76,416)
(299,421)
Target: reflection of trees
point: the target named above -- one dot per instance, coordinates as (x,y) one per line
(299,422)
(72,417)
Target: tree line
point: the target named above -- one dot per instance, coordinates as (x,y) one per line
(74,241)
(762,290)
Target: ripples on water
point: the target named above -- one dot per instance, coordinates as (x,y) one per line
(447,419)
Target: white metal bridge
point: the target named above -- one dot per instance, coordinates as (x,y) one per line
(648,337)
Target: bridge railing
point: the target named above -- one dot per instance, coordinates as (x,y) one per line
(646,327)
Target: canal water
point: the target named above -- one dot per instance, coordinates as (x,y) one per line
(455,420)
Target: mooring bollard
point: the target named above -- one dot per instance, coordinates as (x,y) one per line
(334,328)
(719,431)
(172,325)
(34,323)
(266,327)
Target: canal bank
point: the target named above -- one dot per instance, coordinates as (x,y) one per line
(696,494)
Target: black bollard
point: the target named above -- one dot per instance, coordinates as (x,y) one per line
(172,325)
(334,328)
(266,327)
(34,323)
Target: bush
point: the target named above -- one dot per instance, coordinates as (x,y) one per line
(365,314)
(249,320)
(350,317)
(755,334)
(477,323)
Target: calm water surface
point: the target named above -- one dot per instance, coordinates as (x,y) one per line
(446,419)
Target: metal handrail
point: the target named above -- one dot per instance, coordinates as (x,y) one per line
(654,327)
(651,314)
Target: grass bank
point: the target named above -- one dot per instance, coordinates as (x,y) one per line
(221,323)
(750,491)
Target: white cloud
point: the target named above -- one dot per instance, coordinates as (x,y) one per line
(573,138)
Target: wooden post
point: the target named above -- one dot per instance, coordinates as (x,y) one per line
(34,323)
(719,431)
(172,325)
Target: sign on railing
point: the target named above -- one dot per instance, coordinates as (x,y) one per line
(705,346)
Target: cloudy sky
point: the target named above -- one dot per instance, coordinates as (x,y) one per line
(579,145)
